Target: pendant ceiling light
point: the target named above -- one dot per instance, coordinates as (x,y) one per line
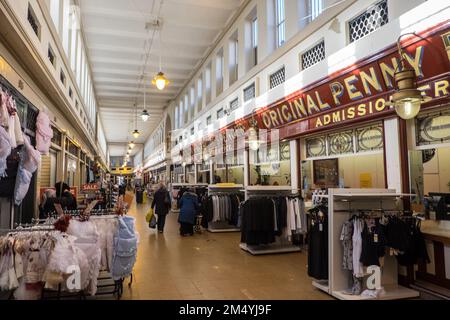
(407,99)
(160,80)
(136,132)
(131,144)
(144,114)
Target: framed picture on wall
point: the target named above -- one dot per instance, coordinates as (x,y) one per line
(326,173)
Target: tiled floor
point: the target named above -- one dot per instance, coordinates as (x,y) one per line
(211,266)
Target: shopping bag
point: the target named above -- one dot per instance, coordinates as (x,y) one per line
(152,224)
(149,215)
(144,197)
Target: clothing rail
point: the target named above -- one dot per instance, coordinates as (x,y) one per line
(274,194)
(29,229)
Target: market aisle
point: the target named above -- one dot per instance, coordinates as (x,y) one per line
(211,266)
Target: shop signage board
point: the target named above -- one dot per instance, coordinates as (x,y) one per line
(90,187)
(361,91)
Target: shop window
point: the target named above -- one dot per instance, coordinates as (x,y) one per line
(255,40)
(208,120)
(277,78)
(369,139)
(340,143)
(345,159)
(32,114)
(234,104)
(57,137)
(367,22)
(249,92)
(34,23)
(203,172)
(190,173)
(316,147)
(429,170)
(51,56)
(73,149)
(219,72)
(280,19)
(271,165)
(313,55)
(315,8)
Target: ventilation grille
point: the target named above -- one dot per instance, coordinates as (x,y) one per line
(234,104)
(313,55)
(249,92)
(369,21)
(220,113)
(277,78)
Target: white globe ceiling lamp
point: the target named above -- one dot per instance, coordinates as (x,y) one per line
(407,99)
(131,144)
(145,115)
(136,133)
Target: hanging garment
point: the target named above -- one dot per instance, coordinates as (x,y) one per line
(125,248)
(87,240)
(318,247)
(257,226)
(14,126)
(107,228)
(44,133)
(373,243)
(8,182)
(357,248)
(347,243)
(29,161)
(5,150)
(416,251)
(4,115)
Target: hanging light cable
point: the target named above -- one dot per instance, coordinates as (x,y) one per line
(136,132)
(144,114)
(160,81)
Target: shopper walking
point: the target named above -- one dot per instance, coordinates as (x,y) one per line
(161,205)
(189,207)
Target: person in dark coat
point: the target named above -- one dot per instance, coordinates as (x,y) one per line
(65,197)
(189,207)
(161,205)
(47,205)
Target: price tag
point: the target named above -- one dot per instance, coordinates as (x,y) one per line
(375,238)
(320,227)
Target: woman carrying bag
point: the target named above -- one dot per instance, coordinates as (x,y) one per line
(161,205)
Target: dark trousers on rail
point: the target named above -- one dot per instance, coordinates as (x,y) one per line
(161,222)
